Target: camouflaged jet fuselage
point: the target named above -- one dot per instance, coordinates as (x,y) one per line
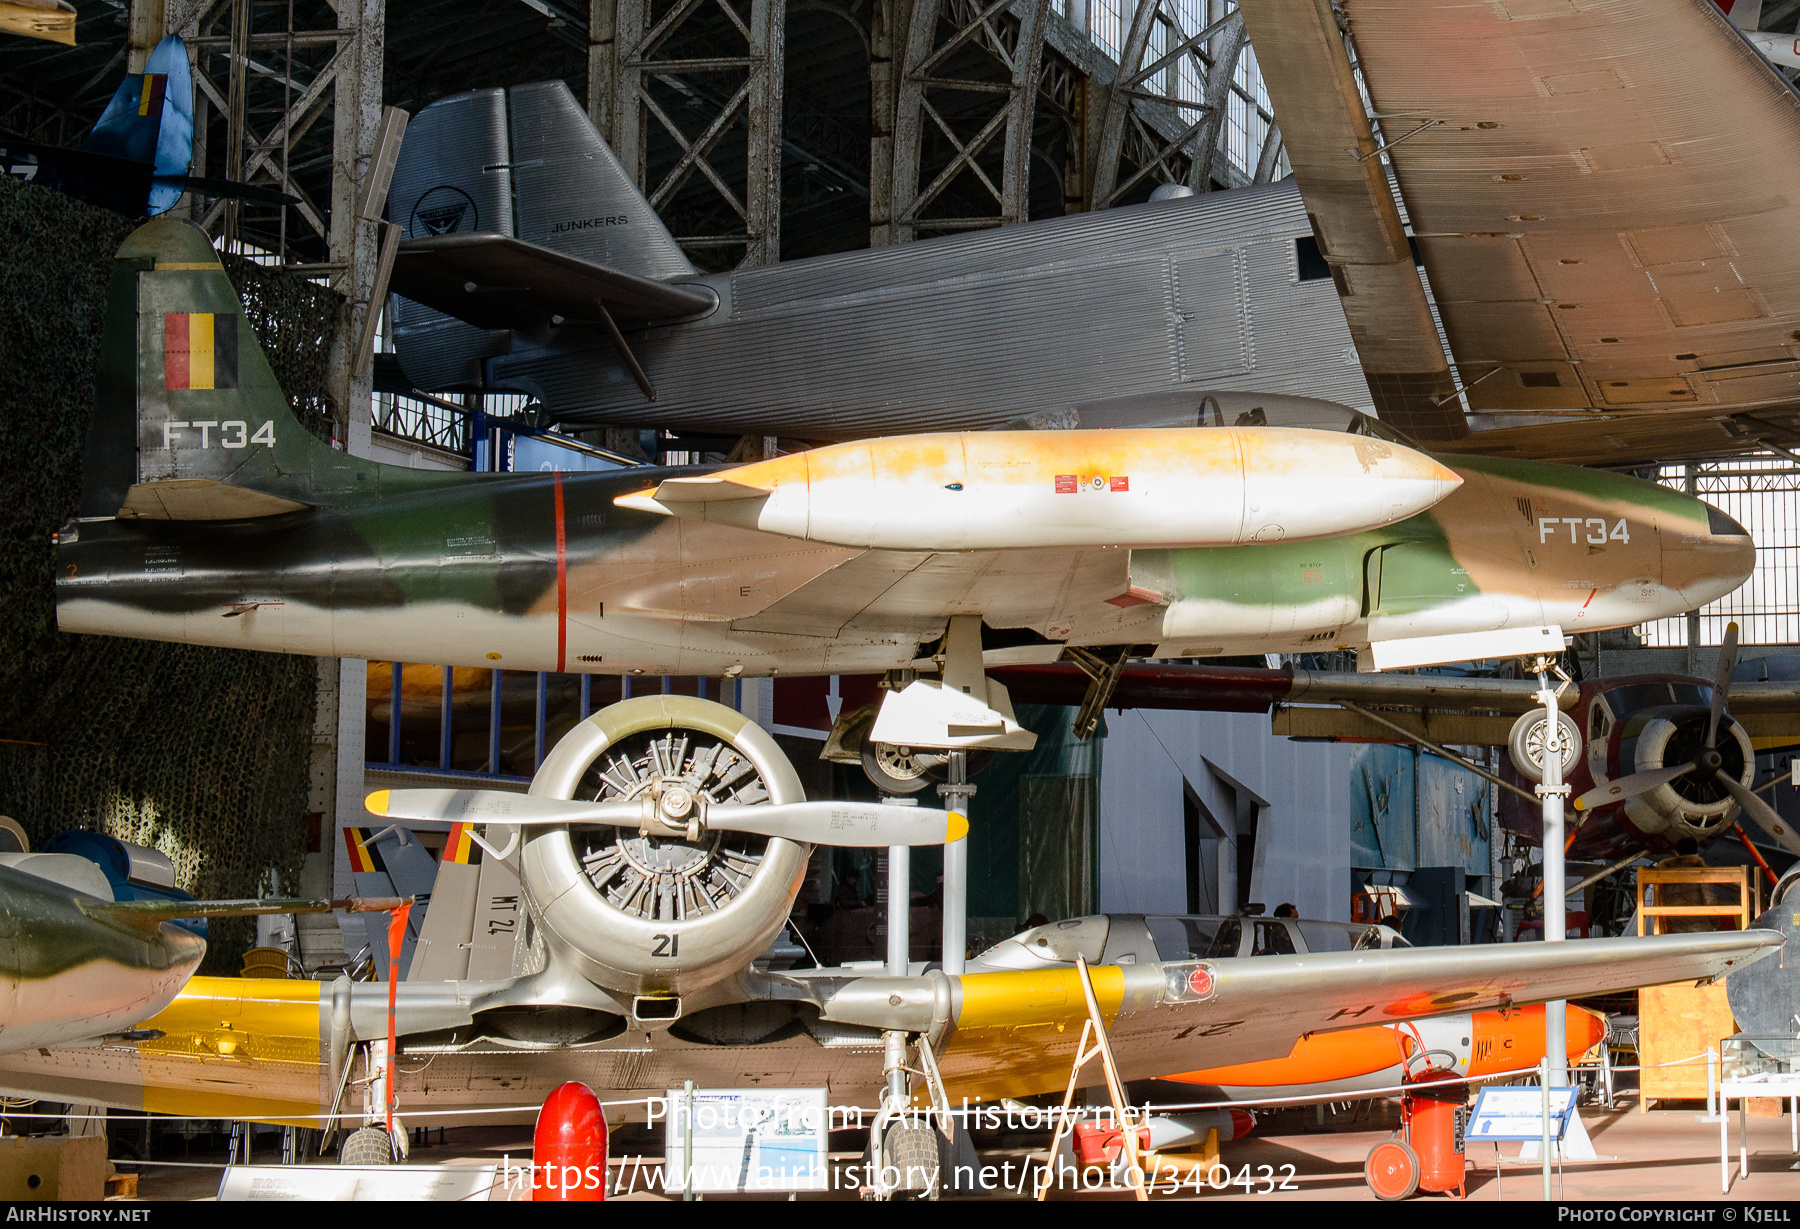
(211,517)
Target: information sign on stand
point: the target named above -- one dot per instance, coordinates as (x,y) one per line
(1515,1114)
(747,1139)
(352,1183)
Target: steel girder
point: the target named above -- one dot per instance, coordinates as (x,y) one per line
(1188,156)
(624,46)
(1017,44)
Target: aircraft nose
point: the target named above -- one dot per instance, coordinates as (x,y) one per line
(1585,1029)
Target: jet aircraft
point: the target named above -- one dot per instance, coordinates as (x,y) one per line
(1781,50)
(209,515)
(1339,1065)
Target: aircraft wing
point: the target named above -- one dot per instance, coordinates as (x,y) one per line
(1603,195)
(494,281)
(1015,1033)
(50,20)
(1307,703)
(281,1053)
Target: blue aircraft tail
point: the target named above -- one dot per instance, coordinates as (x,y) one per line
(150,120)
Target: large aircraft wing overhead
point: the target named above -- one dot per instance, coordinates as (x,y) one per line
(494,281)
(1354,218)
(1604,194)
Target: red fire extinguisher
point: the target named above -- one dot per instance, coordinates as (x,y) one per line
(1426,1153)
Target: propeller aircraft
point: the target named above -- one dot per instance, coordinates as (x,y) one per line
(665,837)
(632,984)
(135,159)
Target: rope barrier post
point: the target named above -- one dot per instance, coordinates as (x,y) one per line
(1544,1083)
(687,1143)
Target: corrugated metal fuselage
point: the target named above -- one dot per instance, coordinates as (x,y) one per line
(962,332)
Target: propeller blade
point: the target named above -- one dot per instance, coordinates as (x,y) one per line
(1722,682)
(1629,787)
(1765,816)
(864,825)
(492,806)
(856,825)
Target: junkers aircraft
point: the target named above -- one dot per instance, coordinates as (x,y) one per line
(1615,280)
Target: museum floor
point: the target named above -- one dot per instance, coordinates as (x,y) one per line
(1662,1155)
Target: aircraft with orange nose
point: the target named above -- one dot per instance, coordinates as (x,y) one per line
(1322,1065)
(1353,1063)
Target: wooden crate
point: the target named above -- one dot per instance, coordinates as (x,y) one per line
(1681,1020)
(52,1167)
(1749,894)
(1676,1022)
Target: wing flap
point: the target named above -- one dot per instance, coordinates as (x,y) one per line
(201,499)
(494,281)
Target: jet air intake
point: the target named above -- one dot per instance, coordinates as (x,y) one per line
(993,490)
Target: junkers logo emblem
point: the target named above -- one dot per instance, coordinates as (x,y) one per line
(442,211)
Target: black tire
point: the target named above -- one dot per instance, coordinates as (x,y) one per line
(1524,744)
(898,770)
(367,1146)
(910,1150)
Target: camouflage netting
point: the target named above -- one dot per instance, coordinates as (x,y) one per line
(200,752)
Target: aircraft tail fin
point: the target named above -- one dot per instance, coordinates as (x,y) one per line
(1744,14)
(151,120)
(189,421)
(528,164)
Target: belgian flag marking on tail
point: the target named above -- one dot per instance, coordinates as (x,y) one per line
(200,350)
(460,848)
(150,95)
(364,859)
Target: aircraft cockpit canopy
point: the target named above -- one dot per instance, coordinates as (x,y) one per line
(1200,408)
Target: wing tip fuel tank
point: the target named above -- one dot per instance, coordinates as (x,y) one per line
(994,490)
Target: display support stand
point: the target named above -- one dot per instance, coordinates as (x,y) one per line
(1554,793)
(956,792)
(1124,1114)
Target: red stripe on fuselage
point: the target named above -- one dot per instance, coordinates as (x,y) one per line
(562,581)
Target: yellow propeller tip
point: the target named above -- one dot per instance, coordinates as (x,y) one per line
(956,829)
(377,802)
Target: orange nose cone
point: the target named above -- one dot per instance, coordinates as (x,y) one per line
(1514,1040)
(1587,1029)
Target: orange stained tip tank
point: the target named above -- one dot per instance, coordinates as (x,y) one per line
(1488,1042)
